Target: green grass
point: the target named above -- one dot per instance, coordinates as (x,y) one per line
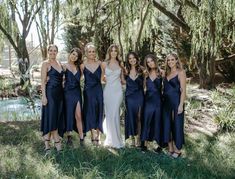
(22,156)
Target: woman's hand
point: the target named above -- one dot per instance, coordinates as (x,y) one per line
(180,109)
(44,101)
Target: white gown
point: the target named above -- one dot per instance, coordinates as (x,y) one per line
(113,96)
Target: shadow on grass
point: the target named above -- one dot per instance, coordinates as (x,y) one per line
(204,157)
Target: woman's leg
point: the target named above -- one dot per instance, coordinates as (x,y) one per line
(47,141)
(57,140)
(138,127)
(170,144)
(78,117)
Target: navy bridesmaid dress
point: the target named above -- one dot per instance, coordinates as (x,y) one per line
(134,100)
(93,100)
(152,123)
(53,113)
(173,122)
(72,95)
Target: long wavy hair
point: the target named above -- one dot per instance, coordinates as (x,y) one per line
(178,63)
(108,54)
(154,58)
(78,62)
(138,67)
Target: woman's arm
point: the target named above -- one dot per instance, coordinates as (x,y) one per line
(182,79)
(43,82)
(103,66)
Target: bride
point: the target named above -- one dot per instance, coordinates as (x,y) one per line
(113,96)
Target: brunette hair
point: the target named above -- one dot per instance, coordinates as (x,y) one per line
(52,45)
(154,58)
(78,62)
(138,67)
(108,54)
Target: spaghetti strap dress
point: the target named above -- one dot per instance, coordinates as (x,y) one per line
(93,100)
(53,114)
(134,100)
(152,123)
(173,122)
(72,98)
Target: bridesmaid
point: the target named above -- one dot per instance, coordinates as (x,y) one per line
(134,98)
(52,99)
(93,94)
(173,113)
(152,123)
(72,95)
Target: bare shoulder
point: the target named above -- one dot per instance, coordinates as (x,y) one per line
(82,66)
(65,66)
(45,64)
(162,73)
(182,74)
(103,65)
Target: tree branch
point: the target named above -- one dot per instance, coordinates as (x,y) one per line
(9,37)
(225,59)
(31,20)
(188,3)
(173,17)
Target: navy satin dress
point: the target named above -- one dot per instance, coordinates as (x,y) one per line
(72,96)
(134,100)
(52,113)
(173,122)
(152,123)
(93,100)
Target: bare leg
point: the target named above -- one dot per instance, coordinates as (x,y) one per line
(57,140)
(78,117)
(170,144)
(97,136)
(138,128)
(47,141)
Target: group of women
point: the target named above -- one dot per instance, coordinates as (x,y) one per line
(154,99)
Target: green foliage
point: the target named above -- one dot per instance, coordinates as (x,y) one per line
(211,25)
(225,113)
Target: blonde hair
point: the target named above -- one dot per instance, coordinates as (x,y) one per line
(178,63)
(89,45)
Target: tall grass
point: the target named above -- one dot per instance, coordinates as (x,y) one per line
(225,111)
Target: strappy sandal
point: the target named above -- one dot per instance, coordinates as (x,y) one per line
(93,141)
(170,153)
(82,142)
(47,150)
(176,155)
(69,141)
(158,150)
(58,146)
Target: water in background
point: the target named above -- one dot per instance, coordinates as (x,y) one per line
(18,109)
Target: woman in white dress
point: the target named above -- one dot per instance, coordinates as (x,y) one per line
(113,95)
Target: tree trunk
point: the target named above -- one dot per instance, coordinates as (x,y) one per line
(24,63)
(206,68)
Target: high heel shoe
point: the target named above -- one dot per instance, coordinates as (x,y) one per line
(69,141)
(58,145)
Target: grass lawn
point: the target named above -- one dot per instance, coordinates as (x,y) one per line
(22,156)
